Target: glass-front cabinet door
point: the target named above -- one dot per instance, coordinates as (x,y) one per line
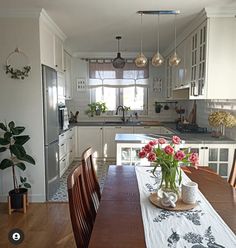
(220,158)
(128,154)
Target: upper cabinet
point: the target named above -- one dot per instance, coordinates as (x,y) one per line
(51,43)
(68,72)
(207,69)
(58,53)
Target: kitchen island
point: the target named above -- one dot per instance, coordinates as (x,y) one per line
(213,152)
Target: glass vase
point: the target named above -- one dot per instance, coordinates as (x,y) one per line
(170,180)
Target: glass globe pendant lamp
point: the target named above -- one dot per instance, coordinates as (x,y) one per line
(141,60)
(157,59)
(174,59)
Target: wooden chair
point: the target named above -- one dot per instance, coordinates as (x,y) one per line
(90,177)
(80,210)
(232,176)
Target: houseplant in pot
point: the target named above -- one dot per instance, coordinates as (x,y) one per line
(11,143)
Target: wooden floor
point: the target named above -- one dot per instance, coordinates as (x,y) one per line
(44,225)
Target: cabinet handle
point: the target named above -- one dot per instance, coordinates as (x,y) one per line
(100,128)
(64,70)
(64,160)
(56,65)
(202,147)
(62,144)
(70,130)
(62,135)
(71,138)
(206,147)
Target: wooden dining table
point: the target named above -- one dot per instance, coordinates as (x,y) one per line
(119,223)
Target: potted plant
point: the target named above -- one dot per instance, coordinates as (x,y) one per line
(12,142)
(92,109)
(96,108)
(158,107)
(100,107)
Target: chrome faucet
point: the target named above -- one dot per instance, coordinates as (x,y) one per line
(123,112)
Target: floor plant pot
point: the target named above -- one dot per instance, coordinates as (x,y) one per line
(18,200)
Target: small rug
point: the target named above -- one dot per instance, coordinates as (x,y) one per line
(101,168)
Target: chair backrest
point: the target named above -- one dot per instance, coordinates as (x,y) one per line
(90,177)
(80,212)
(232,176)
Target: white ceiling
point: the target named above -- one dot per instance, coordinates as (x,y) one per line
(91,25)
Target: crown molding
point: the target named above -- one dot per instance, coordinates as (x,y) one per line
(20,13)
(220,11)
(48,20)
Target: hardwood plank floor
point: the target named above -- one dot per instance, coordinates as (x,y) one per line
(44,225)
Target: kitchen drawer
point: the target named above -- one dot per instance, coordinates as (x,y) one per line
(62,137)
(62,165)
(62,149)
(70,133)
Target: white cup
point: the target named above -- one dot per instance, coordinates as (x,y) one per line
(189,192)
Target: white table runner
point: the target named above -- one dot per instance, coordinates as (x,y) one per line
(200,227)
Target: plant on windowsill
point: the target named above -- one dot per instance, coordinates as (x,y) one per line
(12,142)
(96,108)
(168,157)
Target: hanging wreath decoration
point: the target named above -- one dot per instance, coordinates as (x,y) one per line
(17,73)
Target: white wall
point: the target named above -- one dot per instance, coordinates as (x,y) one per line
(205,107)
(21,100)
(82,98)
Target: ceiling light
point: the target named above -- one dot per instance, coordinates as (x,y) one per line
(141,60)
(174,59)
(157,59)
(118,62)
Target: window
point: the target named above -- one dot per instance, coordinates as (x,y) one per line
(116,87)
(113,97)
(133,97)
(107,95)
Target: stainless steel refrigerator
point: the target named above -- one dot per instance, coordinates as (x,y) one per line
(51,130)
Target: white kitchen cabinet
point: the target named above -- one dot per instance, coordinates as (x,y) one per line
(51,43)
(217,156)
(58,54)
(128,154)
(61,87)
(67,70)
(169,78)
(90,137)
(187,60)
(109,133)
(209,52)
(66,149)
(46,46)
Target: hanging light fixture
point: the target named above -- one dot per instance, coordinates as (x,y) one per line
(118,62)
(174,59)
(141,60)
(157,59)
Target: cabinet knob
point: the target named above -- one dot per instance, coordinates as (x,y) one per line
(56,65)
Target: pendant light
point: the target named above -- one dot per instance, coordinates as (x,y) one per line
(174,59)
(141,60)
(118,62)
(157,59)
